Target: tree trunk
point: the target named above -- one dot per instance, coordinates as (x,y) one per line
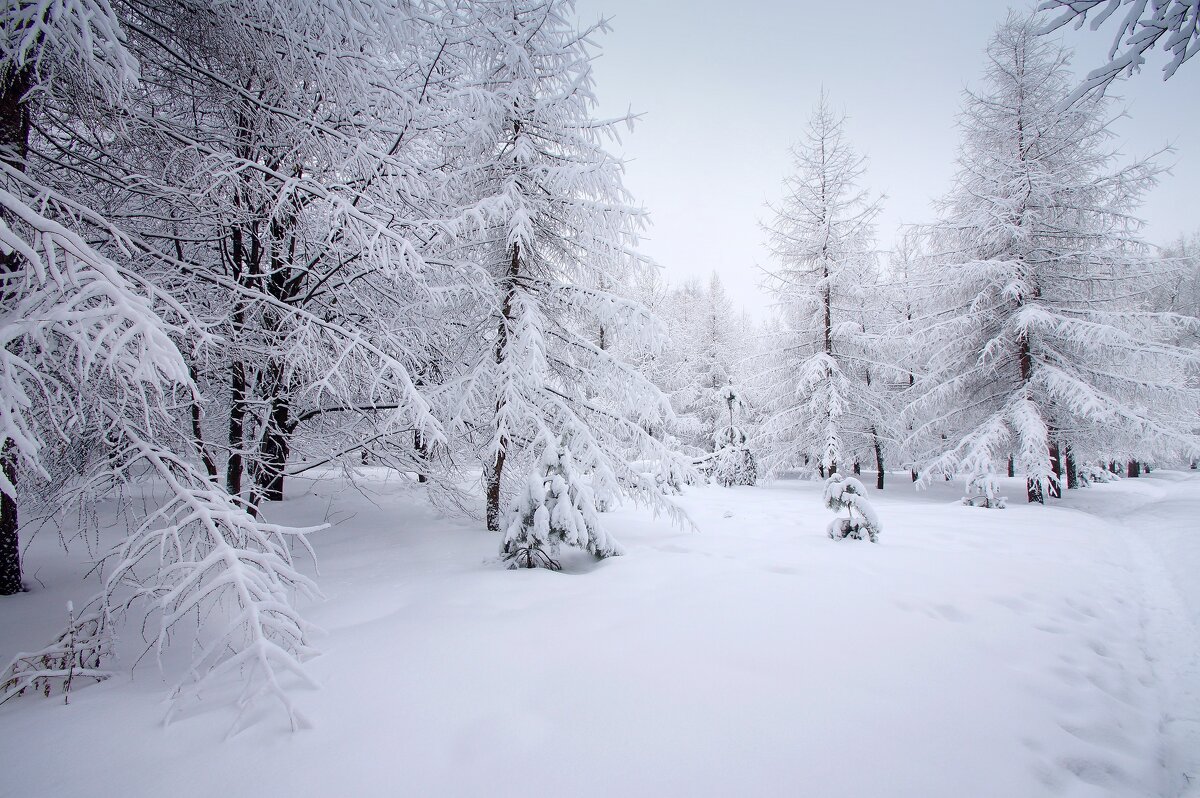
(857,468)
(1072,470)
(274,450)
(1012,466)
(422,450)
(878,461)
(495,473)
(14,147)
(1033,492)
(237,428)
(915,474)
(10,545)
(1133,469)
(1053,487)
(210,466)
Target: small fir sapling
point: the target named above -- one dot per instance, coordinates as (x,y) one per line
(982,491)
(556,506)
(842,492)
(733,462)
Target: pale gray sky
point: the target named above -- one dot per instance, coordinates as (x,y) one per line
(725,89)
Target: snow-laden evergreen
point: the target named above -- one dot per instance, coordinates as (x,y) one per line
(1039,347)
(556,506)
(558,226)
(847,493)
(732,462)
(708,348)
(816,398)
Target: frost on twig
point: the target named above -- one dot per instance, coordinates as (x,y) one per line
(88,350)
(201,555)
(76,654)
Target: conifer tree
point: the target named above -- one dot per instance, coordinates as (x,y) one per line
(822,237)
(557,225)
(1041,348)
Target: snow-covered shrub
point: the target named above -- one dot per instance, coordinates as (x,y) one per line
(982,491)
(1093,475)
(76,654)
(557,506)
(848,493)
(732,462)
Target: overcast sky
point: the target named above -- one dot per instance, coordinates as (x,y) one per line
(726,88)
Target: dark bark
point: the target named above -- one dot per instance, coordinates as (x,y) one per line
(273,452)
(1133,469)
(878,461)
(1012,466)
(1072,470)
(915,474)
(14,147)
(10,544)
(1053,487)
(857,468)
(237,427)
(495,471)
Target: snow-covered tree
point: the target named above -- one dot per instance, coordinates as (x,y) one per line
(1145,23)
(557,226)
(707,348)
(168,173)
(822,236)
(847,493)
(556,506)
(1039,348)
(733,462)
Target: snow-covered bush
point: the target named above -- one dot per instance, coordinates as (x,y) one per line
(1093,474)
(557,506)
(76,654)
(982,491)
(848,493)
(733,462)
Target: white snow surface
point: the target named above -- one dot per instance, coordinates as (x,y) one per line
(1022,652)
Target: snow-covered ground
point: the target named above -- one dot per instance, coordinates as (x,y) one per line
(1021,652)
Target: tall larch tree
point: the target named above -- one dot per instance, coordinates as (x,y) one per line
(822,239)
(562,412)
(1039,347)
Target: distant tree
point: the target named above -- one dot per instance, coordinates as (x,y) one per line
(809,377)
(705,353)
(1175,23)
(733,462)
